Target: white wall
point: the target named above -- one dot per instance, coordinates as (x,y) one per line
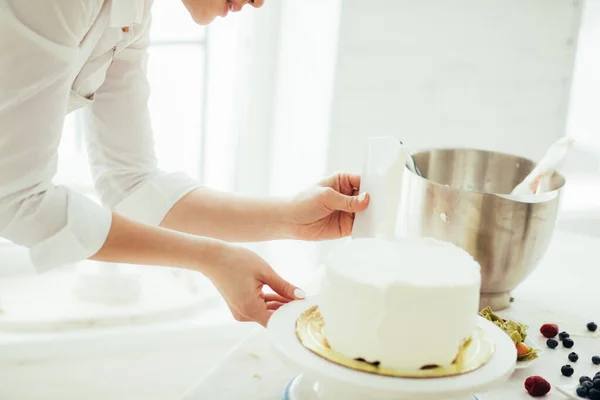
(584,118)
(490,74)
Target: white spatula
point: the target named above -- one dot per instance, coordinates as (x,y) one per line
(382,176)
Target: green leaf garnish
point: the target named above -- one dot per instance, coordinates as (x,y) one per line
(532,355)
(516,331)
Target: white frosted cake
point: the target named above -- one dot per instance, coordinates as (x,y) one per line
(405,303)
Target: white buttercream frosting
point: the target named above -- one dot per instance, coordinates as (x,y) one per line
(404,302)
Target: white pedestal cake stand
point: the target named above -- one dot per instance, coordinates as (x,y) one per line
(323,380)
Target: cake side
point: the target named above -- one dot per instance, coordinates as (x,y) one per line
(385,312)
(417,261)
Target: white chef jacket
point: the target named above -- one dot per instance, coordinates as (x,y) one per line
(57,56)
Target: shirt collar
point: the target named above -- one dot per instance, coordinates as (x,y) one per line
(126,12)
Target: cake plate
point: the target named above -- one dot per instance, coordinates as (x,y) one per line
(321,379)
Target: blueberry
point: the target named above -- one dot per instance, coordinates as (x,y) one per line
(567,370)
(592,327)
(596,383)
(587,384)
(596,360)
(563,335)
(552,343)
(582,391)
(594,394)
(573,357)
(584,379)
(568,343)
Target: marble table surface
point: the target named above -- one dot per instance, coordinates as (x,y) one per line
(564,290)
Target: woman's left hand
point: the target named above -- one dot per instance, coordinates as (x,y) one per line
(327,210)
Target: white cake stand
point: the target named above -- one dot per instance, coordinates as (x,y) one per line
(323,380)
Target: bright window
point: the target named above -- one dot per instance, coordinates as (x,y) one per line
(176,72)
(177,76)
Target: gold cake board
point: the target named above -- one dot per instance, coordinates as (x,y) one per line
(321,379)
(472,355)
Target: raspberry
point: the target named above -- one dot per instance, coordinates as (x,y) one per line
(537,386)
(549,330)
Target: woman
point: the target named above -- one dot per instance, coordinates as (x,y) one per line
(60,55)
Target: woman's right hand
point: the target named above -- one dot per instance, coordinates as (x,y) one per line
(240,275)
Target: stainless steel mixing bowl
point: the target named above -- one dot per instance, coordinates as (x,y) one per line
(456,200)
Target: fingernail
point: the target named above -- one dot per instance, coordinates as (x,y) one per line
(299,293)
(362,197)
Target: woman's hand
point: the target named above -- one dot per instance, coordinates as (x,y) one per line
(327,210)
(240,275)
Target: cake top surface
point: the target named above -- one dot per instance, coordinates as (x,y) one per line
(412,261)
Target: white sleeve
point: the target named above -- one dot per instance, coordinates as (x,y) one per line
(121,144)
(58,225)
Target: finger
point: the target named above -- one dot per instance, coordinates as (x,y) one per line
(274,305)
(275,297)
(354,180)
(346,223)
(346,183)
(328,181)
(340,202)
(282,287)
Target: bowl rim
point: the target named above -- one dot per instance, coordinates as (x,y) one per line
(563,180)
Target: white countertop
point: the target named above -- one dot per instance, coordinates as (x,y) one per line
(562,290)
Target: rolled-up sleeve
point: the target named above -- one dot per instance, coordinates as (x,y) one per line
(120,140)
(57,224)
